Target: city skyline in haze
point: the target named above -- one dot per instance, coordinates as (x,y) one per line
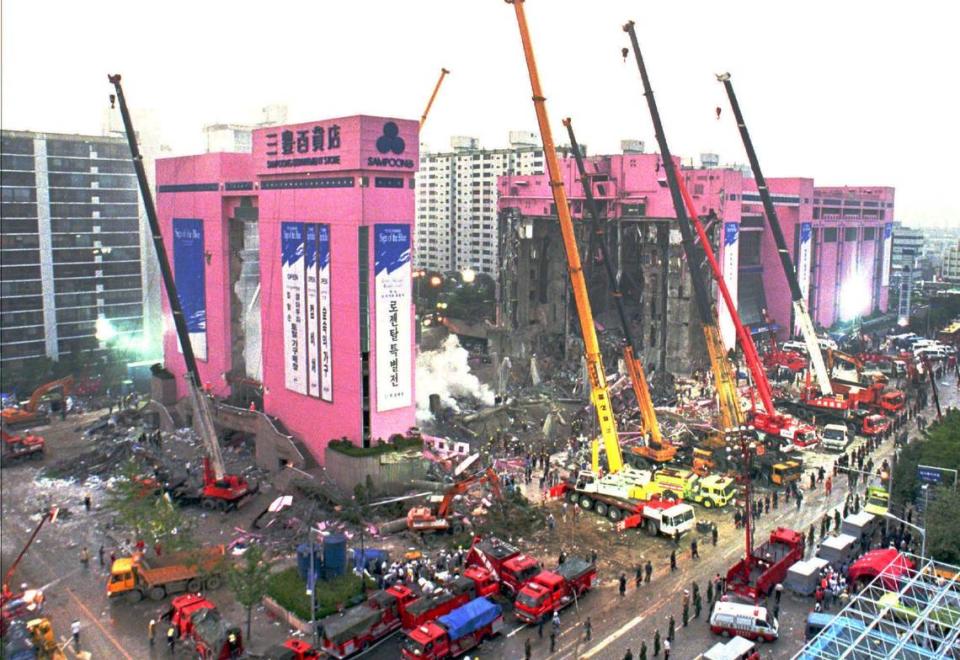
(844,93)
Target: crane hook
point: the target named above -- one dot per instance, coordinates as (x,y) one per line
(718,112)
(624,52)
(113,101)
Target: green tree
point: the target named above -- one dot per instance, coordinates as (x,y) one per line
(152,518)
(248,580)
(942,542)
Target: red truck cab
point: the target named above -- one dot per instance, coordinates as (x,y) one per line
(454,634)
(504,561)
(293,649)
(197,619)
(550,591)
(875,425)
(888,563)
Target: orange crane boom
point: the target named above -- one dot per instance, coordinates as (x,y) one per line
(436,88)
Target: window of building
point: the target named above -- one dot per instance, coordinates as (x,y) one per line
(850,234)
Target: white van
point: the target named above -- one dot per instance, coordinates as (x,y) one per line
(737,648)
(835,437)
(750,621)
(795,346)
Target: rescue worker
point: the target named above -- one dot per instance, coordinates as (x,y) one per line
(647,571)
(151,631)
(656,643)
(171,638)
(673,561)
(588,629)
(623,584)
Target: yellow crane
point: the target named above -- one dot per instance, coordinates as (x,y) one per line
(599,395)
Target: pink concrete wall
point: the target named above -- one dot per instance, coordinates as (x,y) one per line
(313,420)
(208,207)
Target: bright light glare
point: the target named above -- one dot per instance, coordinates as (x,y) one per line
(105,330)
(469,275)
(854,296)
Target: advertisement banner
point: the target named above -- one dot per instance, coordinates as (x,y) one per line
(190,275)
(730,263)
(313,304)
(392,288)
(294,306)
(803,259)
(325,328)
(887,254)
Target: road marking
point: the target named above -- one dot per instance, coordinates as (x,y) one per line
(516,630)
(111,638)
(609,639)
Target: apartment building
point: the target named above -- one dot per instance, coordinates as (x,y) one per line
(456,226)
(70,247)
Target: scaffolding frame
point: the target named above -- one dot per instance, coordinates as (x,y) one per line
(912,614)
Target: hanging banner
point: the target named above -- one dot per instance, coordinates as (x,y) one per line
(313,304)
(326,337)
(190,275)
(803,259)
(887,254)
(392,286)
(294,306)
(730,263)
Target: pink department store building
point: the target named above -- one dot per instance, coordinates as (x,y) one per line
(838,237)
(293,265)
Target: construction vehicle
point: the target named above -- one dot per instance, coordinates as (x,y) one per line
(504,561)
(220,490)
(433,96)
(711,491)
(198,620)
(31,412)
(781,356)
(31,639)
(730,411)
(551,591)
(877,500)
(16,447)
(835,437)
(654,449)
(438,517)
(756,576)
(453,634)
(801,314)
(138,576)
(618,476)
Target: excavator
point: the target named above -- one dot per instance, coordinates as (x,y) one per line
(433,96)
(219,490)
(767,422)
(439,518)
(796,293)
(777,356)
(653,449)
(29,414)
(621,480)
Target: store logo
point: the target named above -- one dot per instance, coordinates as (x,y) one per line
(390,141)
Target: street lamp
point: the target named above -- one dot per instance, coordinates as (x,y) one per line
(468,276)
(923,532)
(436,280)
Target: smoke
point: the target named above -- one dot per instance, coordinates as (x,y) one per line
(445,372)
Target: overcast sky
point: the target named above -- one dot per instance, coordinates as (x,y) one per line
(847,92)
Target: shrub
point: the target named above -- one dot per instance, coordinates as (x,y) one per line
(290,591)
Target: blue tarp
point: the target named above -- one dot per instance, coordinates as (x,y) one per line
(371,555)
(464,620)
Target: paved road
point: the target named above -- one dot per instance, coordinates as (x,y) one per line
(119,631)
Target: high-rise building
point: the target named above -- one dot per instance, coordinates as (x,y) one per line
(457,201)
(70,255)
(950,263)
(905,266)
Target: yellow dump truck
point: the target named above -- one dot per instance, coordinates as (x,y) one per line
(138,576)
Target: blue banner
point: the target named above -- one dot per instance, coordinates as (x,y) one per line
(393,283)
(293,272)
(189,272)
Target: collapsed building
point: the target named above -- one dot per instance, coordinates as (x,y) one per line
(840,240)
